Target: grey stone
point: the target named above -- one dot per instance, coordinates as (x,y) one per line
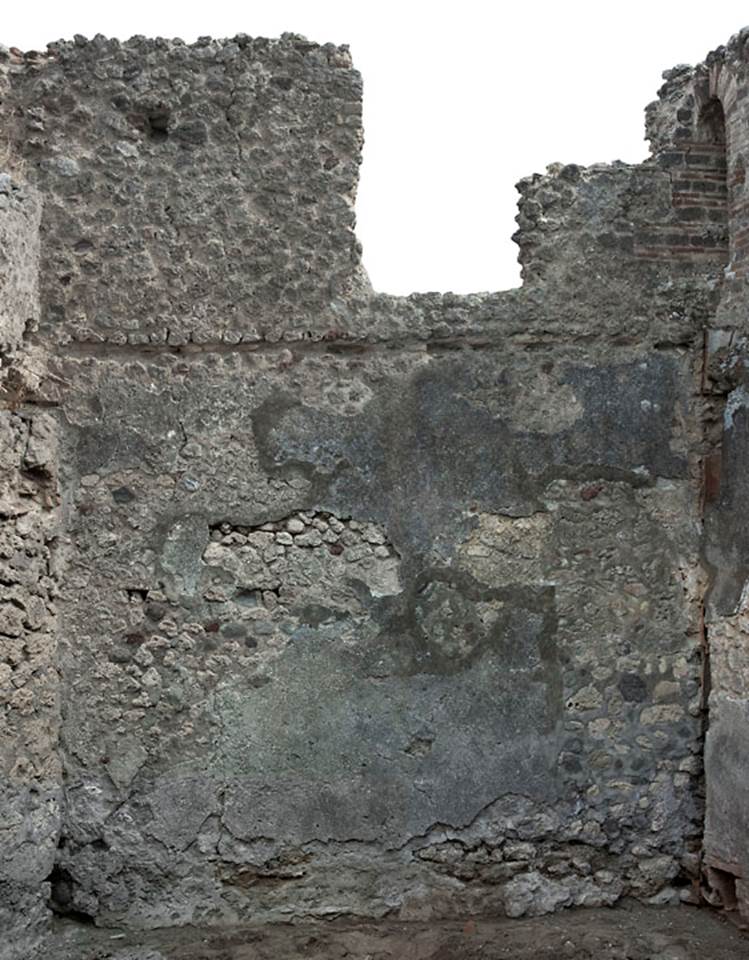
(319,601)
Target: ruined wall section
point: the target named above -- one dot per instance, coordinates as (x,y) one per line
(30,770)
(726,551)
(606,229)
(370,629)
(373,604)
(225,176)
(325,660)
(703,113)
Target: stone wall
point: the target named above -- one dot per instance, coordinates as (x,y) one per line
(30,768)
(367,605)
(708,103)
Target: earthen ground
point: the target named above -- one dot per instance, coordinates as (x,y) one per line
(628,932)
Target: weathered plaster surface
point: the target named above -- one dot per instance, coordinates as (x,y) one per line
(334,680)
(367,605)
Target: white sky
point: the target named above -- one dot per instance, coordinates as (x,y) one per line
(461,99)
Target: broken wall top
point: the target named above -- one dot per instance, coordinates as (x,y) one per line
(188,186)
(205,193)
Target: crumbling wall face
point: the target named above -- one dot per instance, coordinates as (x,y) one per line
(30,772)
(225,177)
(379,631)
(704,112)
(727,555)
(371,604)
(619,221)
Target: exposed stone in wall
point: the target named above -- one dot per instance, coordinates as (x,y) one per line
(702,113)
(726,856)
(235,160)
(281,709)
(30,789)
(30,782)
(369,605)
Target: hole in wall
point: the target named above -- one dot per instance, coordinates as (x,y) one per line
(61,900)
(157,125)
(136,594)
(285,83)
(711,124)
(722,889)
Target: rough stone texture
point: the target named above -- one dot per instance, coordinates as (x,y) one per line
(224,177)
(19,263)
(727,552)
(367,605)
(30,766)
(324,678)
(703,113)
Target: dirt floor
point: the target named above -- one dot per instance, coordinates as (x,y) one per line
(629,932)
